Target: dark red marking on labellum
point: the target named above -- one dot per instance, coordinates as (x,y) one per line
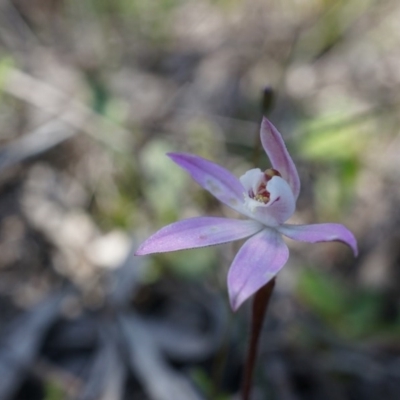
(262,194)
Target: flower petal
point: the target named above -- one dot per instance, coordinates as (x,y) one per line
(280,158)
(198,232)
(251,180)
(280,207)
(320,233)
(256,263)
(212,177)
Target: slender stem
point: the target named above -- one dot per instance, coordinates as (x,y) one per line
(260,305)
(267,103)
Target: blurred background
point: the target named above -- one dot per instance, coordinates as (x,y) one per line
(92,95)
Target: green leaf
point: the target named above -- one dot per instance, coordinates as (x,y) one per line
(323,293)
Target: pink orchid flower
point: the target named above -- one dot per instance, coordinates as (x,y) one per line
(267,199)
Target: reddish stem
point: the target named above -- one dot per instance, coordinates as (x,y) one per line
(260,305)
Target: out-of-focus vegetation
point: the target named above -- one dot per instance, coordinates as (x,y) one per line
(93,94)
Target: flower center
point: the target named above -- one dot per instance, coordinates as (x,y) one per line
(262,195)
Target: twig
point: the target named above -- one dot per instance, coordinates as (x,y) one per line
(159,380)
(66,109)
(34,143)
(21,346)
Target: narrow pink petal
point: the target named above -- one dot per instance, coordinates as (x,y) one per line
(256,263)
(280,158)
(320,233)
(198,232)
(214,178)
